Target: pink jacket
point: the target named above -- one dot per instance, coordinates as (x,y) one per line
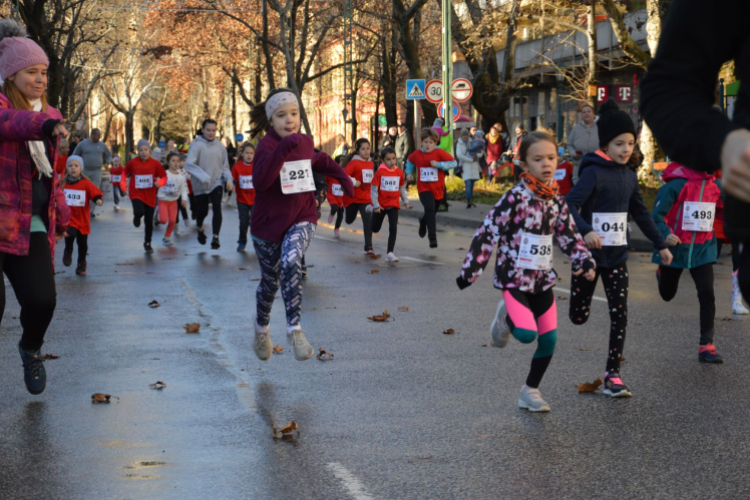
(17,127)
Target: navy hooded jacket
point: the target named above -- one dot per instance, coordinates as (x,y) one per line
(606,186)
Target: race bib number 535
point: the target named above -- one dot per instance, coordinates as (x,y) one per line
(296,177)
(535,252)
(612,228)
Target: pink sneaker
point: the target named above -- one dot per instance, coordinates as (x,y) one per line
(336,233)
(330,218)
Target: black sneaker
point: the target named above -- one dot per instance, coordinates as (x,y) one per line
(67,258)
(81,269)
(433,242)
(304,272)
(202,237)
(422,228)
(215,243)
(136,221)
(147,247)
(34,375)
(615,387)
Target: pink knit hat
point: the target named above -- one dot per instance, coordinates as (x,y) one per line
(16,51)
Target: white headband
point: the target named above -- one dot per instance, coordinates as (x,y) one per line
(277,100)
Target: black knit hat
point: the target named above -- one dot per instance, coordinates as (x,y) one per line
(613,122)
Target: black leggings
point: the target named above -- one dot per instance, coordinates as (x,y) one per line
(703,276)
(201,202)
(182,209)
(430,207)
(377,223)
(736,253)
(140,209)
(615,280)
(82,240)
(339,213)
(33,280)
(351,216)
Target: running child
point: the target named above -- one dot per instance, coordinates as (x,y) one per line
(738,307)
(242,173)
(387,191)
(183,209)
(79,193)
(361,169)
(606,193)
(169,196)
(685,211)
(335,197)
(430,164)
(564,172)
(285,214)
(524,222)
(146,177)
(62,158)
(115,173)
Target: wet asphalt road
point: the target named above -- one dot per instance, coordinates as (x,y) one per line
(402,412)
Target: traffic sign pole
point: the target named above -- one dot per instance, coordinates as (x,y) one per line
(447,64)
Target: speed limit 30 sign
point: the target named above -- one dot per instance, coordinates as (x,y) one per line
(434,91)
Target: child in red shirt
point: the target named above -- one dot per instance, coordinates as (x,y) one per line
(79,193)
(564,173)
(147,175)
(115,175)
(242,174)
(62,157)
(387,190)
(336,200)
(361,169)
(430,164)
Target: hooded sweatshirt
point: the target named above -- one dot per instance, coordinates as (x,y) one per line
(208,165)
(605,195)
(275,212)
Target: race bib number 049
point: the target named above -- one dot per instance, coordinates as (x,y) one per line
(612,228)
(390,183)
(246,182)
(697,216)
(296,177)
(535,252)
(144,181)
(428,174)
(75,198)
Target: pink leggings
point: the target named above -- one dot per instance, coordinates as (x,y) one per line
(168,213)
(532,316)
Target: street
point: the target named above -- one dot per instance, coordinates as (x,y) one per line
(402,411)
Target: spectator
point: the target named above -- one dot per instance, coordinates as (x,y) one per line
(497,143)
(389,141)
(583,138)
(342,148)
(403,145)
(95,155)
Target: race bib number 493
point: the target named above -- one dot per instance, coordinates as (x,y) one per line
(75,198)
(535,252)
(697,216)
(612,228)
(296,177)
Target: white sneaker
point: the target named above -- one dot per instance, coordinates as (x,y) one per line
(187,222)
(117,207)
(499,330)
(263,346)
(531,399)
(302,348)
(737,307)
(166,242)
(390,257)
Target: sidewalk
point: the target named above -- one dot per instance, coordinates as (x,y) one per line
(460,216)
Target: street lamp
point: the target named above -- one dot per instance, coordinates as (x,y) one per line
(560,78)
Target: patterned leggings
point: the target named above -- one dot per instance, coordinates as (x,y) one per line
(281,265)
(616,282)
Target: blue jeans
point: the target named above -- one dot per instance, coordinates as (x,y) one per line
(469,189)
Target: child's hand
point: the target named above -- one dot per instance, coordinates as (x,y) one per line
(592,240)
(673,240)
(409,178)
(184,204)
(378,210)
(666,256)
(98,203)
(357,184)
(230,186)
(434,163)
(407,206)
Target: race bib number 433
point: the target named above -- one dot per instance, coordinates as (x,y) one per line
(612,228)
(296,177)
(697,216)
(75,198)
(535,252)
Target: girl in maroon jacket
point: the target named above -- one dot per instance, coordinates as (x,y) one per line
(285,213)
(33,213)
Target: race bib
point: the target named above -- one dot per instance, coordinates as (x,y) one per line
(560,174)
(428,174)
(144,181)
(75,198)
(296,177)
(116,178)
(246,182)
(337,190)
(170,188)
(697,216)
(612,228)
(390,183)
(535,252)
(367,176)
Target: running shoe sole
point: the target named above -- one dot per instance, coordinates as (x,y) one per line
(621,394)
(499,333)
(543,409)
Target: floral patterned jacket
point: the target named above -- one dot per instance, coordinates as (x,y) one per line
(519,211)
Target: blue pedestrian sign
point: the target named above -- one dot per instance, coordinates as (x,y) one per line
(238,138)
(162,144)
(415,90)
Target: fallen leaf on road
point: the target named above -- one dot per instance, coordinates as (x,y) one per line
(286,432)
(375,256)
(380,318)
(192,327)
(566,262)
(59,272)
(461,248)
(278,349)
(255,279)
(242,269)
(589,349)
(311,266)
(562,297)
(403,309)
(153,304)
(726,318)
(373,271)
(589,387)
(449,331)
(158,385)
(484,345)
(50,356)
(324,355)
(356,262)
(125,264)
(100,398)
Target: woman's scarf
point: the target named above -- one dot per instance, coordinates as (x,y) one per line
(36,150)
(540,189)
(493,136)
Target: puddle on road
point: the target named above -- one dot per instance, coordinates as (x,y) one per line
(144,465)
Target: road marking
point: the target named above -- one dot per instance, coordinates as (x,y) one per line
(600,299)
(317,236)
(353,486)
(432,262)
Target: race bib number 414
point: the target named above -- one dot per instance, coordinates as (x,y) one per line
(296,177)
(697,216)
(612,228)
(535,252)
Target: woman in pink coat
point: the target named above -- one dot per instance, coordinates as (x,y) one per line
(33,212)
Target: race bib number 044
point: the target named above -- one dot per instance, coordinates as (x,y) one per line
(75,198)
(535,252)
(612,228)
(697,216)
(296,177)
(428,174)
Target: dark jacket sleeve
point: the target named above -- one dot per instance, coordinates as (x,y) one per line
(643,218)
(679,88)
(581,192)
(324,164)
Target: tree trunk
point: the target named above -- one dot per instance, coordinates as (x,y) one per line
(234,112)
(592,60)
(389,83)
(649,146)
(129,132)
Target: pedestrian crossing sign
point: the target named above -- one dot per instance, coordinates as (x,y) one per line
(415,89)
